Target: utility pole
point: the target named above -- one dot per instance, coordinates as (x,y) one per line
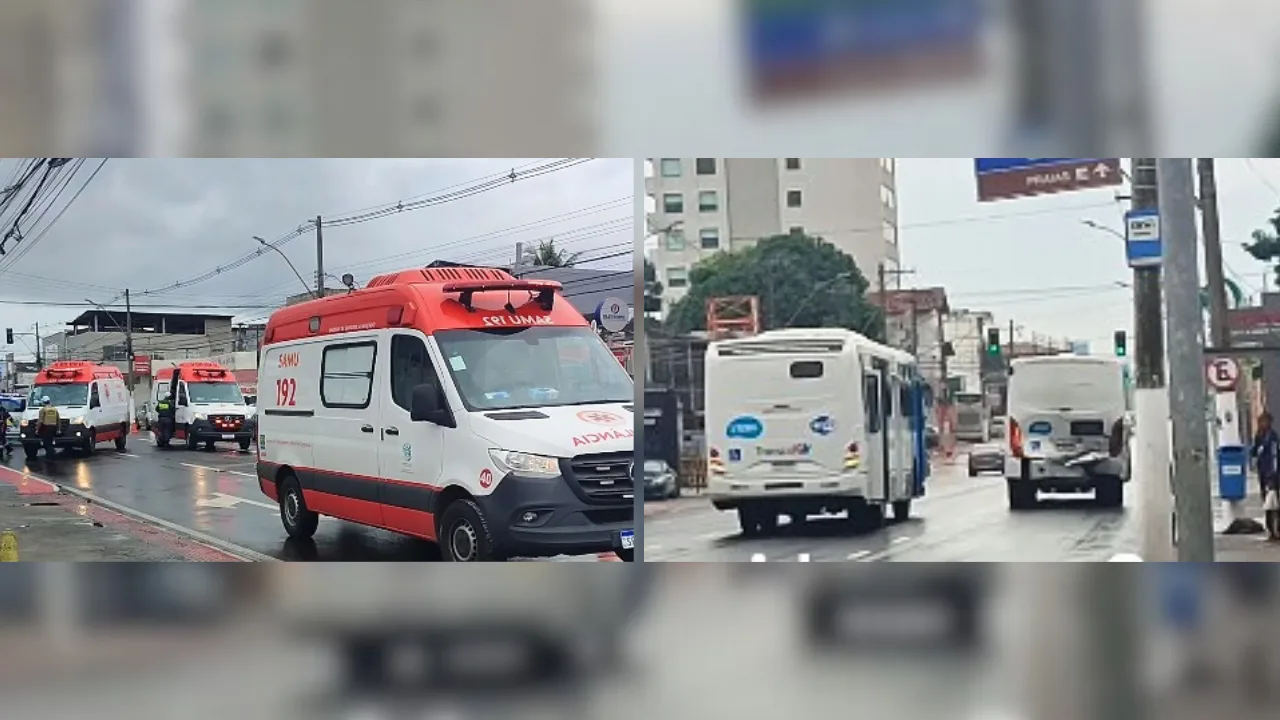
(942,358)
(883,291)
(1150,398)
(1010,343)
(39,352)
(128,338)
(1187,395)
(319,259)
(519,259)
(1227,403)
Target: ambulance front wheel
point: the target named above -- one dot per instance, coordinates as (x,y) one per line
(244,445)
(31,449)
(123,438)
(464,533)
(299,522)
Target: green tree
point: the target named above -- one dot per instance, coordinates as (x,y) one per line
(652,289)
(1266,243)
(548,255)
(800,280)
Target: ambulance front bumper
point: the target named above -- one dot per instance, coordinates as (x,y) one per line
(544,517)
(203,430)
(729,491)
(68,434)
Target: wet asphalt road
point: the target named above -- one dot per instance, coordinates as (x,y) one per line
(216,493)
(959,519)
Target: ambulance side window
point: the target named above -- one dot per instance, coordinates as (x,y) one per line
(182,393)
(410,367)
(94,399)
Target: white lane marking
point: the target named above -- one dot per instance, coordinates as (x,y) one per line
(858,555)
(804,557)
(243,474)
(223,500)
(124,454)
(758,557)
(201,467)
(899,541)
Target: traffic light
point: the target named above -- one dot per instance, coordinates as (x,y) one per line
(8,336)
(1122,343)
(993,341)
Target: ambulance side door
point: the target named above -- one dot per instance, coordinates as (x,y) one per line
(409,453)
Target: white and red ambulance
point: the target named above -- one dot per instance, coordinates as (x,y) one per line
(93,405)
(456,404)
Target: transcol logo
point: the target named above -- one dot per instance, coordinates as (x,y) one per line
(744,428)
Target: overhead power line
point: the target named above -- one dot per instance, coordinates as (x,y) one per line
(482,186)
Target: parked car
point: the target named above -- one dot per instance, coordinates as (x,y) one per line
(140,417)
(988,457)
(660,481)
(997,427)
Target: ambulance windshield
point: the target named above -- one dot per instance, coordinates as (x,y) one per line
(215,392)
(60,394)
(503,369)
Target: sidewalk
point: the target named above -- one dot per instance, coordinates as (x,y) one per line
(52,526)
(1243,548)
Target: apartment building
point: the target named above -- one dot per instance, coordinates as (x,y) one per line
(701,206)
(966,331)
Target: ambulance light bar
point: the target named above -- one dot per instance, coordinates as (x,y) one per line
(546,290)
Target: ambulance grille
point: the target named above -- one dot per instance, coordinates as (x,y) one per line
(604,478)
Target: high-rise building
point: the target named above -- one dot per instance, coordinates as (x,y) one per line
(701,206)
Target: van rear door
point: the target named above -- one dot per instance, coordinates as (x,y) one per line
(1066,409)
(785,416)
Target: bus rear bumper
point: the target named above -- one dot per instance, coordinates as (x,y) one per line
(728,493)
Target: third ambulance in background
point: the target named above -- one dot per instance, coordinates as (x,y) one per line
(455,404)
(210,406)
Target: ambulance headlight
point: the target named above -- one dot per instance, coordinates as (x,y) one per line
(77,420)
(525,463)
(197,416)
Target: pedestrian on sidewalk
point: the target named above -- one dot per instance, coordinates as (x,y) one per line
(1266,453)
(5,418)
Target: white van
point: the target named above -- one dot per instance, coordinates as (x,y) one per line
(802,422)
(1067,429)
(459,405)
(93,403)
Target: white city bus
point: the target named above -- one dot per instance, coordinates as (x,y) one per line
(812,421)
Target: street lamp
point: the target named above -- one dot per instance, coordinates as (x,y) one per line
(266,244)
(1103,228)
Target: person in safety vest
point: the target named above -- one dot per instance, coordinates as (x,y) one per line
(47,424)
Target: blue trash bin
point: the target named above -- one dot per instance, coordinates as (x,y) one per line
(1233,463)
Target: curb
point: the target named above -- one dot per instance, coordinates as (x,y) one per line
(243,553)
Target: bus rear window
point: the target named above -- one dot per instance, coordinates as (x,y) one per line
(806,369)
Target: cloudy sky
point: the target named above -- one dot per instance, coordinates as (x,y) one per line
(1034,261)
(146,224)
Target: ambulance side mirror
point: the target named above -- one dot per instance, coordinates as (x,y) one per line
(428,406)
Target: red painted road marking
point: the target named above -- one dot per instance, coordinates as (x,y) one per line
(26,484)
